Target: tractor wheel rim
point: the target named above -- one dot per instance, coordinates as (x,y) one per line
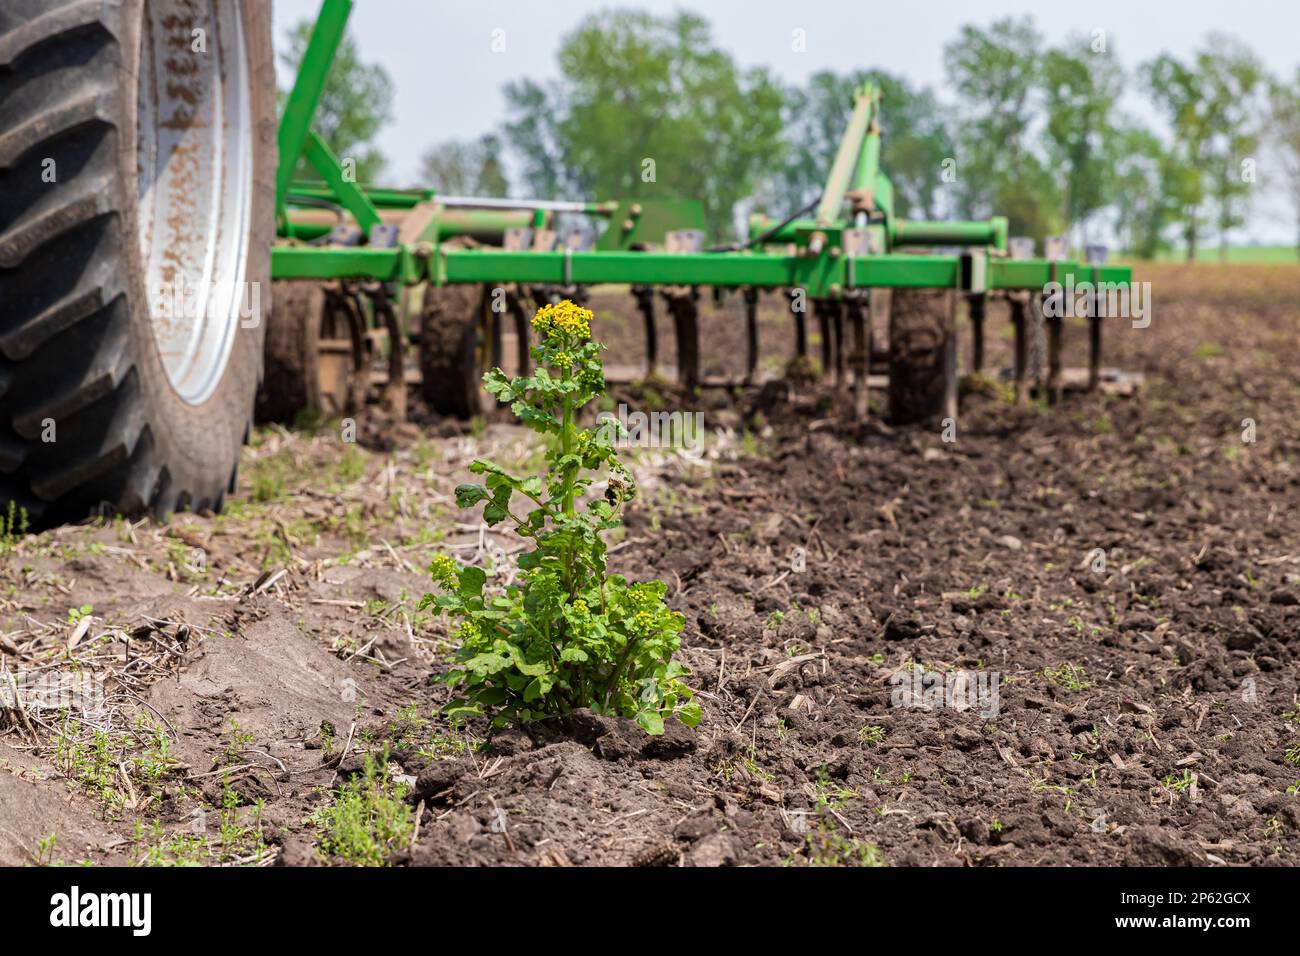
(195,186)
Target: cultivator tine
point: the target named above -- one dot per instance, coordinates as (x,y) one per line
(645,302)
(684,306)
(1094,349)
(837,332)
(751,334)
(395,392)
(860,359)
(822,309)
(1094,334)
(357,329)
(543,295)
(978,306)
(683,303)
(1019,304)
(950,391)
(1055,331)
(347,301)
(800,325)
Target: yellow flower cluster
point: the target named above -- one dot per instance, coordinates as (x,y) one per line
(443,570)
(643,620)
(566,318)
(580,607)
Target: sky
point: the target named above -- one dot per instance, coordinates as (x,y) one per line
(449,81)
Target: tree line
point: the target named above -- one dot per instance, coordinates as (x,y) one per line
(648,106)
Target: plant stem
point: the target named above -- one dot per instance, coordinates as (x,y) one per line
(617,674)
(566,447)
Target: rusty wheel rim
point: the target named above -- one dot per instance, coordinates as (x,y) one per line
(194,151)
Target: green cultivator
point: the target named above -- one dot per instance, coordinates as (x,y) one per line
(142,211)
(386,243)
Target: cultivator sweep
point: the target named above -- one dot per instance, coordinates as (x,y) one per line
(451,275)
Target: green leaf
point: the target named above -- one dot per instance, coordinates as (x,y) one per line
(533,670)
(461,708)
(690,714)
(471,582)
(469,495)
(651,722)
(538,689)
(483,664)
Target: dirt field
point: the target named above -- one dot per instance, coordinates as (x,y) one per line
(1127,569)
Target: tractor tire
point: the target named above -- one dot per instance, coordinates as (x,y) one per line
(137,190)
(453,350)
(919,327)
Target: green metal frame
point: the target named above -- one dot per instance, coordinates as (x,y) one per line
(822,276)
(818,262)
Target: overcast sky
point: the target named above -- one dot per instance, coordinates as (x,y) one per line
(449,82)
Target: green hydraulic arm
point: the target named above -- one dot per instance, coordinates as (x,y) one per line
(300,109)
(348,193)
(856,176)
(902,232)
(854,164)
(380,197)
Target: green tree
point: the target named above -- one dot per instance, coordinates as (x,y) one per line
(1080,87)
(1285,124)
(1176,88)
(995,73)
(647,107)
(355,104)
(1143,173)
(1238,83)
(458,168)
(1212,105)
(915,139)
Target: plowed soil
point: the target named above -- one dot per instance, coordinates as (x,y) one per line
(1127,568)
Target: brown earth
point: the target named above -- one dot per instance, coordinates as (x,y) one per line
(1147,708)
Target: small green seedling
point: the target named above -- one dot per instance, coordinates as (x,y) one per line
(369,819)
(872,734)
(77,613)
(13,526)
(569,634)
(1069,676)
